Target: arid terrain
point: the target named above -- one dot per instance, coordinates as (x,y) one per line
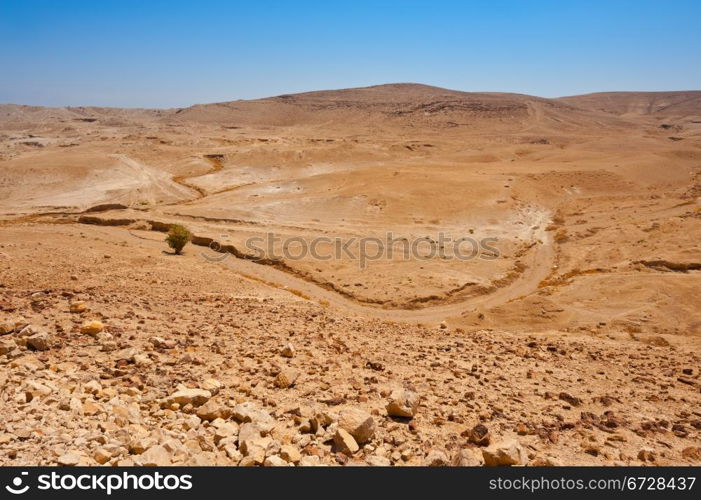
(573,338)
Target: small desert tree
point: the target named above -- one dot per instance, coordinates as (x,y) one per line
(178,237)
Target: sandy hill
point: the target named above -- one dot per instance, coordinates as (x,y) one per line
(401,106)
(17,115)
(396,105)
(680,103)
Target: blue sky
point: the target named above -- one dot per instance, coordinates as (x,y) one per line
(177,53)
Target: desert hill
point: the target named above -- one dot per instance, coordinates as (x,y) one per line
(402,105)
(682,103)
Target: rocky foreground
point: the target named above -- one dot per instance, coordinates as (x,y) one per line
(114,353)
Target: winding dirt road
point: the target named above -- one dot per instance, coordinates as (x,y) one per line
(538,261)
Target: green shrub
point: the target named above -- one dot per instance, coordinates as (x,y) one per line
(178,237)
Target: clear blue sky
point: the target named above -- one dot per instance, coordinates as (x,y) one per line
(175,53)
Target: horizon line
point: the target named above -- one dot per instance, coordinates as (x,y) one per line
(668,91)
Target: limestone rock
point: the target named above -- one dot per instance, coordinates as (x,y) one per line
(212,410)
(250,430)
(92,327)
(109,346)
(225,430)
(156,455)
(6,327)
(7,345)
(275,461)
(403,403)
(142,360)
(101,456)
(288,351)
(290,454)
(286,378)
(212,385)
(78,307)
(40,341)
(345,443)
(507,452)
(140,444)
(357,423)
(253,445)
(467,457)
(250,412)
(92,387)
(195,397)
(70,459)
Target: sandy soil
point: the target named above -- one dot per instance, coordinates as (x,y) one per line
(577,334)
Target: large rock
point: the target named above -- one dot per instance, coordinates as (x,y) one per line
(286,378)
(70,459)
(467,457)
(250,412)
(403,403)
(252,444)
(508,452)
(231,449)
(7,345)
(6,326)
(213,410)
(225,430)
(212,385)
(254,452)
(251,430)
(78,307)
(92,327)
(345,443)
(101,456)
(92,387)
(290,454)
(357,423)
(139,444)
(40,341)
(195,397)
(275,461)
(156,455)
(288,351)
(479,435)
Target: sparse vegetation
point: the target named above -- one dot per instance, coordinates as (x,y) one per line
(178,237)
